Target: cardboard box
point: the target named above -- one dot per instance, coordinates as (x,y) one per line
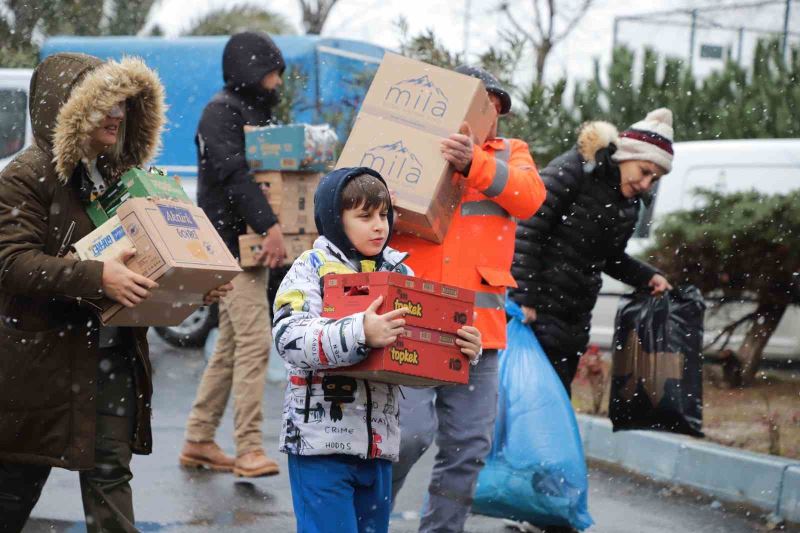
(290,147)
(297,244)
(250,247)
(135,183)
(430,98)
(177,246)
(409,108)
(291,196)
(413,167)
(427,353)
(108,240)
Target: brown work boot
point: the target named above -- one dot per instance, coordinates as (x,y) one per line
(255,464)
(205,455)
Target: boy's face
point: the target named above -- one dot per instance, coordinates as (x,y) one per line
(367,230)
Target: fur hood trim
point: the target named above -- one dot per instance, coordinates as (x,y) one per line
(593,136)
(89,102)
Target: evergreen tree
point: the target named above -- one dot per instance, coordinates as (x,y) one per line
(737,248)
(21,19)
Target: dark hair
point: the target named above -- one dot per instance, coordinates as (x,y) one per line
(365,192)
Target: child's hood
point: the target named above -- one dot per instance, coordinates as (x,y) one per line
(328,207)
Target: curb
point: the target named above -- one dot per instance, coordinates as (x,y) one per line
(764,481)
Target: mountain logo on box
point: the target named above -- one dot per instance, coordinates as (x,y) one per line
(404,356)
(418,95)
(177,216)
(413,309)
(118,233)
(393,161)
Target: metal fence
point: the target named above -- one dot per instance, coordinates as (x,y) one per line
(706,36)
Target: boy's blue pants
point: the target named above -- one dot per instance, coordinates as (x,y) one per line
(341,493)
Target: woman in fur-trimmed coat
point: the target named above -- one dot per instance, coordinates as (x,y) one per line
(72,394)
(591,210)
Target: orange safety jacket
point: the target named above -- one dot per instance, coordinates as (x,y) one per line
(503,185)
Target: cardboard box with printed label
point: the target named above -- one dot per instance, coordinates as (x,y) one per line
(409,108)
(135,183)
(250,247)
(291,196)
(107,240)
(176,246)
(426,354)
(290,147)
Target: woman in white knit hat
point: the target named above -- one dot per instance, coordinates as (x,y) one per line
(593,199)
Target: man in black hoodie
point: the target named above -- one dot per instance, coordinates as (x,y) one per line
(252,66)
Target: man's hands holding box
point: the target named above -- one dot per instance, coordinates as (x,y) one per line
(457,149)
(273,249)
(214,295)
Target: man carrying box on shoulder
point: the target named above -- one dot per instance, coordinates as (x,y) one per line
(252,67)
(500,183)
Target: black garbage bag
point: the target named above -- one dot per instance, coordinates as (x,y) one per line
(657,373)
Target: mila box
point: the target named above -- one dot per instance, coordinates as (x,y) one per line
(178,247)
(409,108)
(426,192)
(427,353)
(135,183)
(290,147)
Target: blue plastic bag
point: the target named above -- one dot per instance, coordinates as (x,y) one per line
(536,469)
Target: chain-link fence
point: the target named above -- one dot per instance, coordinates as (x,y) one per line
(706,36)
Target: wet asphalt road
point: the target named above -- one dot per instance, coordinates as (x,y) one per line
(170,499)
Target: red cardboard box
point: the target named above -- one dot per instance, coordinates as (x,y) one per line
(427,353)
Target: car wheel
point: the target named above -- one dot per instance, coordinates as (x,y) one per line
(193,331)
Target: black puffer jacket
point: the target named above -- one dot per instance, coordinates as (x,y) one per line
(580,231)
(225,188)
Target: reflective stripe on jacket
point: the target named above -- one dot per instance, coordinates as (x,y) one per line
(503,185)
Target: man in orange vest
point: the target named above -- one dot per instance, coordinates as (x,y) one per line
(501,184)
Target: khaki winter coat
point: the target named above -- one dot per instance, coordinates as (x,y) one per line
(48,336)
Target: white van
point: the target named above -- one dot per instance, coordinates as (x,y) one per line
(15,125)
(766,165)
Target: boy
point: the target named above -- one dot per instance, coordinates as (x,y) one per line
(341,433)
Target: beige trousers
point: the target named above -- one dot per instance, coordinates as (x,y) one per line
(238,365)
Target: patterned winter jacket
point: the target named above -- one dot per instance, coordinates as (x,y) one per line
(331,414)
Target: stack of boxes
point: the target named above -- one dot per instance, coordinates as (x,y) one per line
(288,163)
(409,108)
(176,246)
(426,353)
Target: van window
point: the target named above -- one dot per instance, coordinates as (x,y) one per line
(13,105)
(764,177)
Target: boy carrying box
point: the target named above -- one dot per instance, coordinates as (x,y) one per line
(341,433)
